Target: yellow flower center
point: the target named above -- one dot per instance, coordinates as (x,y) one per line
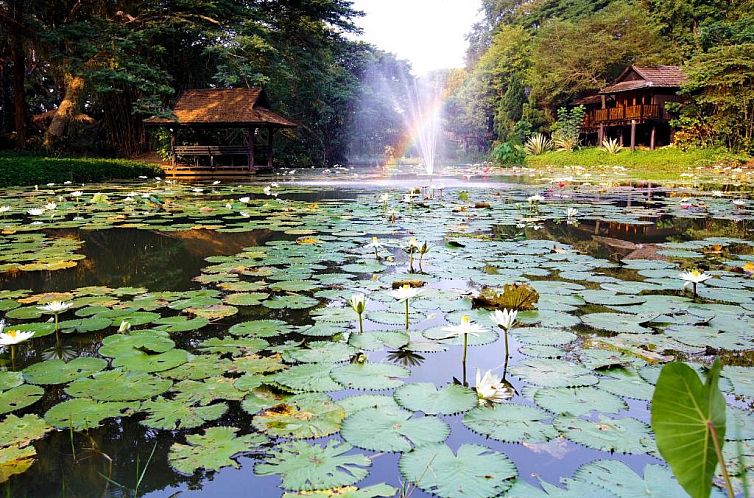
(465,320)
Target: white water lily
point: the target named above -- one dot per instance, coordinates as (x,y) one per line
(376,245)
(4,209)
(268,191)
(35,211)
(50,206)
(693,278)
(358,303)
(739,203)
(228,206)
(571,213)
(77,193)
(125,326)
(244,200)
(216,182)
(55,307)
(504,319)
(465,329)
(535,199)
(13,337)
(490,388)
(405,294)
(717,193)
(384,198)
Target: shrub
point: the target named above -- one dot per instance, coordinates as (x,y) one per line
(33,170)
(538,144)
(611,145)
(508,153)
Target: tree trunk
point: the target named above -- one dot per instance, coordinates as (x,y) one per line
(125,129)
(19,90)
(67,110)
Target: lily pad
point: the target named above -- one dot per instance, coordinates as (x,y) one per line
(118,385)
(57,371)
(511,423)
(385,429)
(176,414)
(427,398)
(302,416)
(374,376)
(84,413)
(475,471)
(212,450)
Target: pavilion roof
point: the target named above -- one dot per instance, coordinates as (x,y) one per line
(233,107)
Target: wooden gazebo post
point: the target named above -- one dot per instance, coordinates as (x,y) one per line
(251,159)
(270,132)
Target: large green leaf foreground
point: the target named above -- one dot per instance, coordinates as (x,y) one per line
(685,413)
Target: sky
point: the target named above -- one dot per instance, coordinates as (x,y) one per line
(428,33)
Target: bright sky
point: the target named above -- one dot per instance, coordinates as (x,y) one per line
(428,33)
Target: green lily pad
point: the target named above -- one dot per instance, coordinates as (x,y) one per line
(152,362)
(301,416)
(85,413)
(374,376)
(625,435)
(57,371)
(9,379)
(305,467)
(208,390)
(19,397)
(20,431)
(172,415)
(311,377)
(118,385)
(511,423)
(212,450)
(260,328)
(385,429)
(578,401)
(427,398)
(475,471)
(235,346)
(291,301)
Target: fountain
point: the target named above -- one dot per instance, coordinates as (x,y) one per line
(424,117)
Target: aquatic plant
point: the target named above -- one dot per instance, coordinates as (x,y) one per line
(491,389)
(423,250)
(518,297)
(405,294)
(465,329)
(358,303)
(411,248)
(11,338)
(55,308)
(505,320)
(693,278)
(693,448)
(376,245)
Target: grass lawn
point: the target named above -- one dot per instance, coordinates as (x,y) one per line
(27,169)
(664,164)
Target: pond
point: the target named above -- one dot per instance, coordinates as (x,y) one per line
(210,349)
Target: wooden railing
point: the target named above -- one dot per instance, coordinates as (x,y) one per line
(620,114)
(213,151)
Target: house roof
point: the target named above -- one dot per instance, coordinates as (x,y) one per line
(589,100)
(222,107)
(637,77)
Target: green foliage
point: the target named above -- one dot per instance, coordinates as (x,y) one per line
(688,419)
(508,153)
(667,163)
(566,131)
(538,144)
(611,145)
(38,170)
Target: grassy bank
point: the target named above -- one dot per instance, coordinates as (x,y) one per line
(664,164)
(22,169)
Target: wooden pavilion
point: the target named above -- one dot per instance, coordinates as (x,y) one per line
(632,108)
(244,109)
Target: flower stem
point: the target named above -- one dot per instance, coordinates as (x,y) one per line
(406,314)
(718,450)
(13,356)
(507,354)
(361,324)
(465,346)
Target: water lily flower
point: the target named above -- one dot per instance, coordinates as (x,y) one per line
(51,184)
(99,198)
(739,203)
(490,388)
(405,293)
(465,329)
(216,182)
(228,205)
(535,199)
(197,190)
(423,249)
(125,326)
(359,303)
(36,211)
(717,193)
(4,209)
(11,339)
(244,214)
(384,198)
(244,200)
(376,245)
(571,213)
(505,320)
(693,278)
(411,249)
(77,193)
(55,308)
(268,191)
(50,206)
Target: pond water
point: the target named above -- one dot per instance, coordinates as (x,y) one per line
(244,356)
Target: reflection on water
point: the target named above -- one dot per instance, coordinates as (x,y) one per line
(128,257)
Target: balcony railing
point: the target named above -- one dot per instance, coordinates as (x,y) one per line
(618,115)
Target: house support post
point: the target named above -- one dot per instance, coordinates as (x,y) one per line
(251,159)
(172,146)
(652,137)
(601,134)
(633,135)
(270,133)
